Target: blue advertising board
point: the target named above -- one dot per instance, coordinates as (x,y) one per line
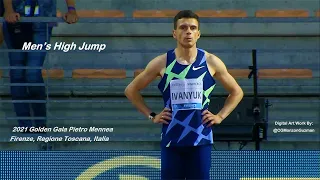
(98,165)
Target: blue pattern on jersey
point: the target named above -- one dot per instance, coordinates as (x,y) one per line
(47,8)
(185,128)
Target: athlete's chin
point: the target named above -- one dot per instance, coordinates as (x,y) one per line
(188,45)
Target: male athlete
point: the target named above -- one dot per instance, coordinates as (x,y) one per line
(188,78)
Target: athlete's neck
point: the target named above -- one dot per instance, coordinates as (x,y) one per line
(186,55)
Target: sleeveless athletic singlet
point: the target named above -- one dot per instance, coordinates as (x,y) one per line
(186,90)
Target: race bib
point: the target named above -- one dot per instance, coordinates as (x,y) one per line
(186,94)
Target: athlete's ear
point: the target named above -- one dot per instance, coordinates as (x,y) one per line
(199,34)
(174,34)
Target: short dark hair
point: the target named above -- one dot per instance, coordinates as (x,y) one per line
(185,14)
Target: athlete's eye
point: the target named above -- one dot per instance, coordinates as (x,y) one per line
(193,27)
(183,27)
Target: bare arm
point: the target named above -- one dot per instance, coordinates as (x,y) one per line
(71,3)
(71,16)
(8,5)
(229,83)
(9,14)
(150,73)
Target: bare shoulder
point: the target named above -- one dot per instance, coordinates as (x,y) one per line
(149,73)
(215,64)
(160,59)
(219,71)
(157,65)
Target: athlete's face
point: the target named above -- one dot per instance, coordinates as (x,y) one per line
(187,32)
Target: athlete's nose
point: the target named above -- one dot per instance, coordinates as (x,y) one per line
(188,30)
